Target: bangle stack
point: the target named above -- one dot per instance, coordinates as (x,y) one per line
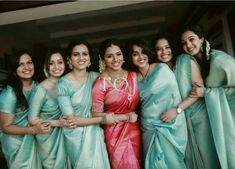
(103,119)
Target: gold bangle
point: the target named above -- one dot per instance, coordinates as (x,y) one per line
(103,119)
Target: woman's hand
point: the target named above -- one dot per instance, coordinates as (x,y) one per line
(197,90)
(68,121)
(133,117)
(169,115)
(110,119)
(42,127)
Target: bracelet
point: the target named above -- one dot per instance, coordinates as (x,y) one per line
(103,119)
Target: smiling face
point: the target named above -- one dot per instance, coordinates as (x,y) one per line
(163,50)
(56,65)
(25,70)
(80,57)
(113,58)
(191,43)
(139,58)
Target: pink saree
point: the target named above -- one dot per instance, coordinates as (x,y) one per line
(124,139)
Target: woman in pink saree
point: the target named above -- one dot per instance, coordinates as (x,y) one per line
(116,91)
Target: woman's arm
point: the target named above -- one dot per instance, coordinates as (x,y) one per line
(130,117)
(7,127)
(189,101)
(74,121)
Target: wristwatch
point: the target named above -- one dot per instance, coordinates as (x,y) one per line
(179,110)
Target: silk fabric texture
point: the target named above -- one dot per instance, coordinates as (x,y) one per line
(124,139)
(85,145)
(49,146)
(19,150)
(200,151)
(164,142)
(220,102)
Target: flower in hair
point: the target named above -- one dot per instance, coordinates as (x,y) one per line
(208,48)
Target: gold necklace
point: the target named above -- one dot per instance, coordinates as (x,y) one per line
(127,89)
(118,79)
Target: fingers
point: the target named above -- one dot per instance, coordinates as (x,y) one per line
(197,84)
(115,120)
(164,117)
(70,124)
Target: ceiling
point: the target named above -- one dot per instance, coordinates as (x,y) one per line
(58,22)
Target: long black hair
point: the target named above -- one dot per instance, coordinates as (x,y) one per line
(13,79)
(204,62)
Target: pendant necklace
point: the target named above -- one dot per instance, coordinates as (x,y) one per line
(144,75)
(117,80)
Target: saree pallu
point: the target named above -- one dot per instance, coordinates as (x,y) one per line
(50,146)
(164,142)
(19,150)
(85,145)
(220,102)
(124,139)
(200,151)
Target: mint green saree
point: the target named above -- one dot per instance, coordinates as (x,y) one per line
(200,151)
(19,150)
(50,146)
(220,102)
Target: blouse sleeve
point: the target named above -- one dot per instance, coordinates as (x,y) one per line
(36,102)
(8,101)
(98,95)
(64,99)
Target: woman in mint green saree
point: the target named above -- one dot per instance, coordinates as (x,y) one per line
(200,150)
(84,139)
(18,144)
(164,137)
(43,105)
(218,71)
